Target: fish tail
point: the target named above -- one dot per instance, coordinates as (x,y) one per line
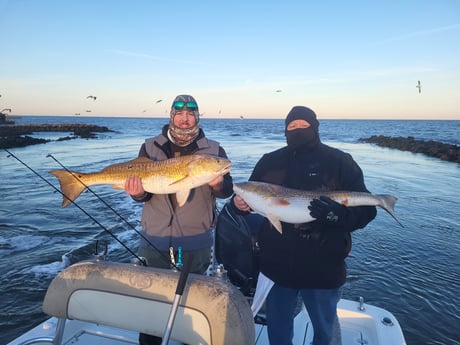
(71,185)
(388,203)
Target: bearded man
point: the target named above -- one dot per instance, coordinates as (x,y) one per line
(165,225)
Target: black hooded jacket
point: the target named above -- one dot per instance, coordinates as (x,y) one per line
(309,255)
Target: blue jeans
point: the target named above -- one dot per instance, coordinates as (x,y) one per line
(321,305)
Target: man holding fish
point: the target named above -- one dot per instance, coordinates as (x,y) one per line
(185,219)
(306,257)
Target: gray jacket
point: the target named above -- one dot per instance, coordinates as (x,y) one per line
(164,223)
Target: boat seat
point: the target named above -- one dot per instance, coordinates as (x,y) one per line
(139,298)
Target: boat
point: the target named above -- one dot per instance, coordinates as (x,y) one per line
(107,303)
(110,303)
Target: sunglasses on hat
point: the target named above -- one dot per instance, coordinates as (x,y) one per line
(179,105)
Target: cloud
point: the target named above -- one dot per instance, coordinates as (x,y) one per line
(153,57)
(421,33)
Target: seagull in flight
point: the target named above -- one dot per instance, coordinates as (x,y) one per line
(158,101)
(93,97)
(278,90)
(6,110)
(419,87)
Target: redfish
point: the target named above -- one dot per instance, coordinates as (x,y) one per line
(279,203)
(171,176)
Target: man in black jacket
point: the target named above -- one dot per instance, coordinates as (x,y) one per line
(308,258)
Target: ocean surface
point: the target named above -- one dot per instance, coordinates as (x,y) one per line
(414,272)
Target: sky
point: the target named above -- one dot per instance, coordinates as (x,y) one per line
(257,59)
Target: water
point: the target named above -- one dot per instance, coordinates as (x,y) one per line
(412,272)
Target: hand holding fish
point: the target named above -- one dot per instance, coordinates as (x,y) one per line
(328,211)
(133,186)
(216,183)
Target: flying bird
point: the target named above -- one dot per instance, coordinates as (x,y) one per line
(158,101)
(419,87)
(93,97)
(6,110)
(279,90)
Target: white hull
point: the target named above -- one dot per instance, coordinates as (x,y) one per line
(109,304)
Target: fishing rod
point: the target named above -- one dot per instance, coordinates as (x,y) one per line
(179,292)
(164,257)
(10,154)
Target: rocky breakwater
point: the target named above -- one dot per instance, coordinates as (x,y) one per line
(430,148)
(21,135)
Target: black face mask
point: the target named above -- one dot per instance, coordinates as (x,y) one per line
(302,138)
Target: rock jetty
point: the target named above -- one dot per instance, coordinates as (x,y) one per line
(3,119)
(446,152)
(12,135)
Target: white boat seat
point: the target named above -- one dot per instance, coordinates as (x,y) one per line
(139,298)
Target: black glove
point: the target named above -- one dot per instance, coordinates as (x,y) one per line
(328,211)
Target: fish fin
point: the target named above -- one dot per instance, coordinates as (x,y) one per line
(388,204)
(275,222)
(140,160)
(279,202)
(178,181)
(71,185)
(182,196)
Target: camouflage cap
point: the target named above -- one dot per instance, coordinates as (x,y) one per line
(183,136)
(185,99)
